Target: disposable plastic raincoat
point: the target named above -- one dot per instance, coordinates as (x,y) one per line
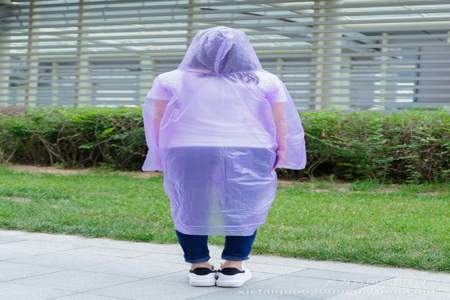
(217,126)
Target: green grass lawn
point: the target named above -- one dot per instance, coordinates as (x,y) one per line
(399,225)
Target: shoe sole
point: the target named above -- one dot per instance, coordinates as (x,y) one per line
(193,281)
(202,283)
(233,283)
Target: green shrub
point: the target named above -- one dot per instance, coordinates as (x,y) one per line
(75,137)
(405,146)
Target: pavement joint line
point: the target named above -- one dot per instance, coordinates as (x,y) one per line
(43,248)
(84,293)
(136,277)
(133,279)
(53,288)
(138,259)
(351,291)
(380,282)
(113,285)
(104,254)
(31,276)
(105,247)
(421,279)
(10,260)
(147,252)
(414,288)
(13,241)
(48,251)
(344,280)
(23,256)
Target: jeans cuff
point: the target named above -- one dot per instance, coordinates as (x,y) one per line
(197,260)
(235,258)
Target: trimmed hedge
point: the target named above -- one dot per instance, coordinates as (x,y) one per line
(405,146)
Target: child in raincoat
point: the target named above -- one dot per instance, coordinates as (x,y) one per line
(217,127)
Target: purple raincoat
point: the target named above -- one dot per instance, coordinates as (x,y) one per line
(217,126)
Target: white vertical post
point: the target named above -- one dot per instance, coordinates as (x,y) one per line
(316,93)
(54,83)
(280,67)
(31,63)
(32,81)
(190,31)
(344,87)
(83,92)
(5,69)
(328,84)
(83,86)
(146,77)
(383,89)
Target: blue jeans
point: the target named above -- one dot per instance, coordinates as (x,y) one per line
(195,247)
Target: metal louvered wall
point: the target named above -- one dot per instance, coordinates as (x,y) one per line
(349,54)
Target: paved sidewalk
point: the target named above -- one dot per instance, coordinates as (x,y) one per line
(45,266)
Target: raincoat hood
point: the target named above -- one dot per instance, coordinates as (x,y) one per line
(220,50)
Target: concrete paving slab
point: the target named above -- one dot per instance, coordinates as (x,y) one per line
(51,266)
(64,260)
(339,275)
(432,285)
(73,280)
(46,245)
(240,294)
(135,268)
(10,271)
(11,291)
(11,251)
(379,292)
(107,251)
(351,267)
(315,288)
(10,239)
(85,296)
(153,289)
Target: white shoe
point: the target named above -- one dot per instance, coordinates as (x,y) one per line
(202,276)
(233,277)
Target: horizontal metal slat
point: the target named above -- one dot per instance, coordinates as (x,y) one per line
(204,15)
(232,20)
(309,4)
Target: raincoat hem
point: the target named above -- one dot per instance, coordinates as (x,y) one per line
(218,230)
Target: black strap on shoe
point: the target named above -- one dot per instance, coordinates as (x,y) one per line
(202,271)
(231,271)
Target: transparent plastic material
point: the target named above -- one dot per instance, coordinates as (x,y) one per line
(217,127)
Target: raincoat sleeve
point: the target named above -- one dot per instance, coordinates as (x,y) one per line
(291,150)
(152,111)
